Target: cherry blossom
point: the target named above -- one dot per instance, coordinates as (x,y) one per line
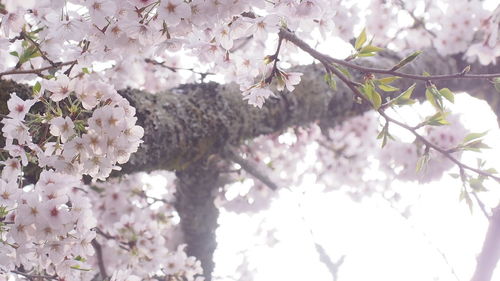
(73,124)
(62,127)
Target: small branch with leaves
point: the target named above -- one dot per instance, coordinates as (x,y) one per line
(366,92)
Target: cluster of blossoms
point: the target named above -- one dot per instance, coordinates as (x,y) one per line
(138,40)
(139,230)
(471,29)
(68,136)
(47,227)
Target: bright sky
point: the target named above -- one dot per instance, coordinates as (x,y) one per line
(379,243)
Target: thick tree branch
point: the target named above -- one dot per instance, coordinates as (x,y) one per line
(490,253)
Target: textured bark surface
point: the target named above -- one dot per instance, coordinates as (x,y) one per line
(193,121)
(184,126)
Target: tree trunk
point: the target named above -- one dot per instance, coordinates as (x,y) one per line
(195,194)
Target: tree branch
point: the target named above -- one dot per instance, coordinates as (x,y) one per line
(100,261)
(490,253)
(195,194)
(251,167)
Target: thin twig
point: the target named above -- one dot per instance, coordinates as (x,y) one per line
(37,46)
(30,276)
(274,58)
(251,167)
(107,236)
(37,70)
(100,260)
(175,69)
(481,205)
(328,60)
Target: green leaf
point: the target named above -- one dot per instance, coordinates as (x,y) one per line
(405,97)
(406,60)
(360,40)
(445,92)
(496,82)
(370,49)
(77,267)
(366,54)
(387,88)
(430,97)
(475,146)
(377,100)
(372,95)
(438,119)
(422,162)
(384,134)
(330,81)
(473,136)
(29,53)
(37,87)
(14,53)
(477,185)
(388,80)
(79,258)
(434,97)
(491,171)
(465,195)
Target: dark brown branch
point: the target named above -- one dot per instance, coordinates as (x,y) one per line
(327,59)
(36,70)
(34,276)
(100,261)
(490,253)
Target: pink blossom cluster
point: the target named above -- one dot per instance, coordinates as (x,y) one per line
(104,138)
(139,231)
(47,227)
(140,41)
(449,26)
(71,127)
